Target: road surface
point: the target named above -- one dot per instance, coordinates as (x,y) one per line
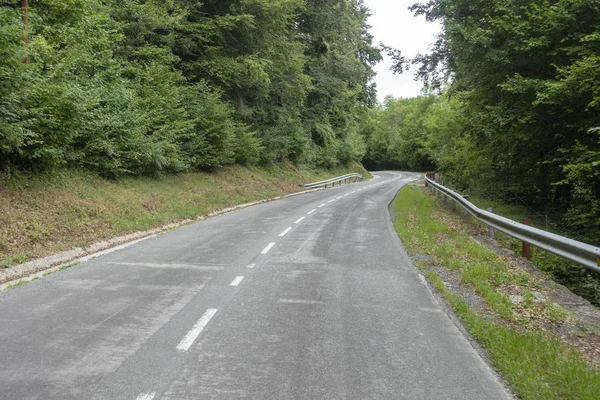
(309,297)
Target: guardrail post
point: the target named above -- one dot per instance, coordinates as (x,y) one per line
(526,249)
(492,231)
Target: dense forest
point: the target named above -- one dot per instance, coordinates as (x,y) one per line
(145,87)
(514,109)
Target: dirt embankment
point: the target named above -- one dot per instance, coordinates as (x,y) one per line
(69,215)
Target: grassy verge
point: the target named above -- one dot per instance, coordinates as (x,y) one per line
(511,322)
(47,214)
(578,279)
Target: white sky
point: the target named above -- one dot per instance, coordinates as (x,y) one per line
(394,25)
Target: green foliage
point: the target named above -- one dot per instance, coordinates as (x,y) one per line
(521,105)
(419,134)
(140,87)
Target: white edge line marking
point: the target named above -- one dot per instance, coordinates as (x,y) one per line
(269,247)
(322,205)
(251,265)
(299,220)
(282,234)
(146,396)
(312,211)
(236,281)
(192,335)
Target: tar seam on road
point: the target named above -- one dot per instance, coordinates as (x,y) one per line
(266,249)
(236,281)
(192,335)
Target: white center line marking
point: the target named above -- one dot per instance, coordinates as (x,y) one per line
(251,265)
(236,281)
(322,205)
(299,220)
(339,197)
(282,234)
(269,247)
(347,194)
(312,211)
(146,396)
(192,335)
(331,201)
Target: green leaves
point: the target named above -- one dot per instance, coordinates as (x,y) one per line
(527,75)
(144,87)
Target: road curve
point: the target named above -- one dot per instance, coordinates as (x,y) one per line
(309,297)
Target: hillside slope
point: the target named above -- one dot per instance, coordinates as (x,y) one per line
(47,214)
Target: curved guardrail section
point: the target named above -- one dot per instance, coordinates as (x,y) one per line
(582,253)
(344,178)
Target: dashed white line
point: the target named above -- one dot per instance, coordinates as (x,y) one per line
(312,211)
(322,205)
(236,281)
(282,234)
(251,265)
(331,201)
(339,197)
(146,396)
(299,220)
(347,194)
(269,247)
(192,335)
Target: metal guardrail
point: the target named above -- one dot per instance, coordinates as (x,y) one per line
(582,253)
(344,178)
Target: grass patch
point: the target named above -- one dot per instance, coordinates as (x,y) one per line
(63,267)
(9,261)
(46,214)
(578,279)
(20,283)
(534,364)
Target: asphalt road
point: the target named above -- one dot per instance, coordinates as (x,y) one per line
(309,297)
